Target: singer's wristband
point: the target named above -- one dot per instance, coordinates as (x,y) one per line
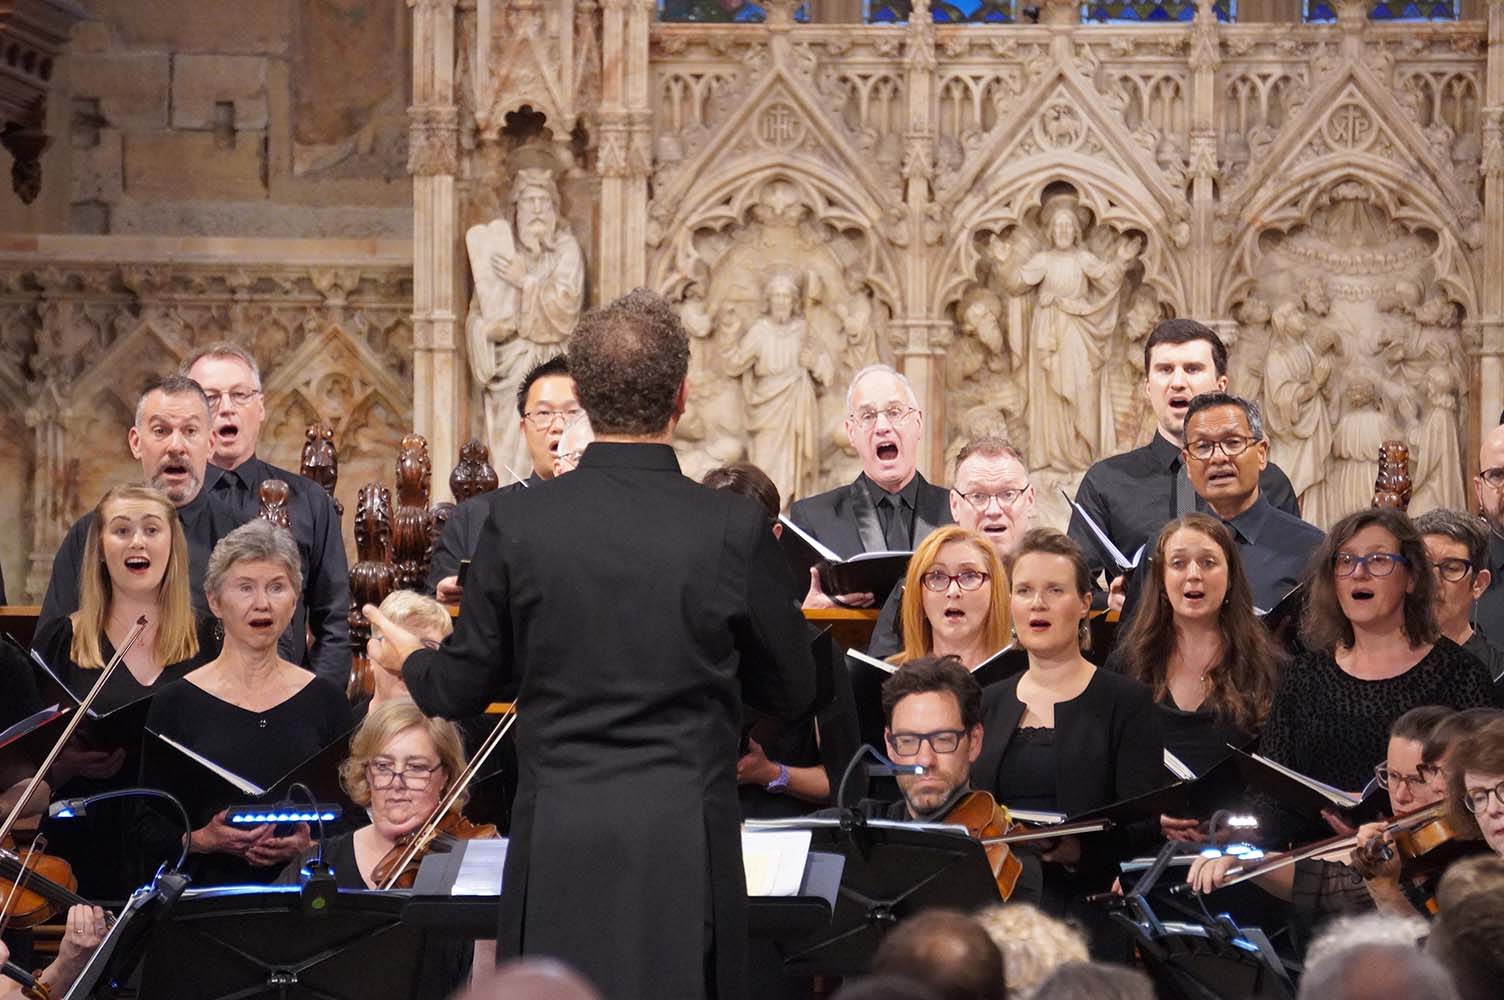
(780,783)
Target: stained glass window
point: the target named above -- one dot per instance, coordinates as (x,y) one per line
(1101,11)
(1388,10)
(723,11)
(941,11)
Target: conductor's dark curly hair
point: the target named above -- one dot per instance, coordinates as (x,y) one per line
(628,359)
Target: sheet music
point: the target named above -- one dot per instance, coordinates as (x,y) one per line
(1178,767)
(871,661)
(481,868)
(825,551)
(774,861)
(1124,563)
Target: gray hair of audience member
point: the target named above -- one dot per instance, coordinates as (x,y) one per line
(1467,936)
(629,359)
(534,978)
(1361,929)
(1212,400)
(948,951)
(903,380)
(255,541)
(1459,527)
(222,349)
(1376,972)
(1095,981)
(170,385)
(1033,943)
(885,988)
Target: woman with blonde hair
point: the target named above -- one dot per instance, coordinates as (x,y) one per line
(955,599)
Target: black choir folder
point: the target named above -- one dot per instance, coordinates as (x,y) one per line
(206,787)
(875,573)
(27,743)
(1005,663)
(118,728)
(1307,797)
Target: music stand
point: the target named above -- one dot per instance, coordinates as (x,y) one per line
(892,871)
(245,942)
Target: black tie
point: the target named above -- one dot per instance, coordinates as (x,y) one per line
(1185,494)
(236,496)
(894,534)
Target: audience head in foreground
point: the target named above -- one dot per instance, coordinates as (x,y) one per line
(1095,981)
(1373,957)
(1033,944)
(1467,936)
(947,951)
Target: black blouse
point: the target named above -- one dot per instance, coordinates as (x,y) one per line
(1026,777)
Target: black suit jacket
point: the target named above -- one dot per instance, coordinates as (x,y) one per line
(844,519)
(639,610)
(461,534)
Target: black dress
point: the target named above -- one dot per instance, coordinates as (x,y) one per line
(261,746)
(108,861)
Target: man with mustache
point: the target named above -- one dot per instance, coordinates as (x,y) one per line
(171,438)
(231,380)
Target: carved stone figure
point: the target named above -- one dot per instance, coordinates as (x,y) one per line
(473,474)
(781,365)
(1132,415)
(373,576)
(529,288)
(411,528)
(273,494)
(983,392)
(1438,465)
(1392,488)
(1295,418)
(320,462)
(1250,351)
(1360,436)
(713,416)
(1072,298)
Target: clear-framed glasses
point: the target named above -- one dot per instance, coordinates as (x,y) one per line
(1423,776)
(1452,570)
(1232,447)
(896,414)
(1476,799)
(1494,477)
(939,581)
(940,741)
(544,419)
(240,397)
(413,777)
(1377,563)
(981,501)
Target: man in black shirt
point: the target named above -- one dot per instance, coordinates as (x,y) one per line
(934,719)
(171,439)
(889,507)
(546,404)
(1458,546)
(1132,495)
(231,381)
(1225,451)
(1489,485)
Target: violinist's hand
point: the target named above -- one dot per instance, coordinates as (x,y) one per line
(1366,859)
(86,928)
(397,642)
(754,768)
(449,590)
(75,761)
(219,837)
(1338,824)
(1183,830)
(280,850)
(1067,851)
(35,806)
(1207,874)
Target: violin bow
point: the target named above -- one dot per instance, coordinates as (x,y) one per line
(39,843)
(68,730)
(423,834)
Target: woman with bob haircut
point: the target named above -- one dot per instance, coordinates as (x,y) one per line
(955,599)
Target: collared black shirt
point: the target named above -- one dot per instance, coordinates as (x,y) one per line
(1132,495)
(904,506)
(1275,547)
(325,607)
(461,533)
(1489,611)
(1482,649)
(205,521)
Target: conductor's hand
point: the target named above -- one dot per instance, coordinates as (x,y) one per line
(449,590)
(280,850)
(396,644)
(1207,874)
(219,837)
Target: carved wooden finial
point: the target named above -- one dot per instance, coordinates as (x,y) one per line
(1392,486)
(473,474)
(273,494)
(320,462)
(412,524)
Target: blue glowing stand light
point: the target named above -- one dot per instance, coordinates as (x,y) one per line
(283,816)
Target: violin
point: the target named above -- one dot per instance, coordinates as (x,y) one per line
(988,822)
(1424,841)
(452,827)
(38,885)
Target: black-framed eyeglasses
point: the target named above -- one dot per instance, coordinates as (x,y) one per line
(1377,563)
(1232,447)
(938,581)
(1476,799)
(1424,775)
(896,414)
(544,419)
(1452,570)
(1493,477)
(413,777)
(940,741)
(240,397)
(981,501)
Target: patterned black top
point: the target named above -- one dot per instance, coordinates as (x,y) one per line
(1334,727)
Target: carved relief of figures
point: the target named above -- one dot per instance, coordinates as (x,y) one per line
(714,418)
(1250,350)
(984,395)
(529,276)
(1070,297)
(781,365)
(1356,444)
(1438,451)
(1295,415)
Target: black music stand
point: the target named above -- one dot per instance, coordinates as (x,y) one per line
(892,871)
(247,942)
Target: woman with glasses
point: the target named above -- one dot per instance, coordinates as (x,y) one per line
(248,710)
(1373,652)
(955,599)
(1063,736)
(1475,785)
